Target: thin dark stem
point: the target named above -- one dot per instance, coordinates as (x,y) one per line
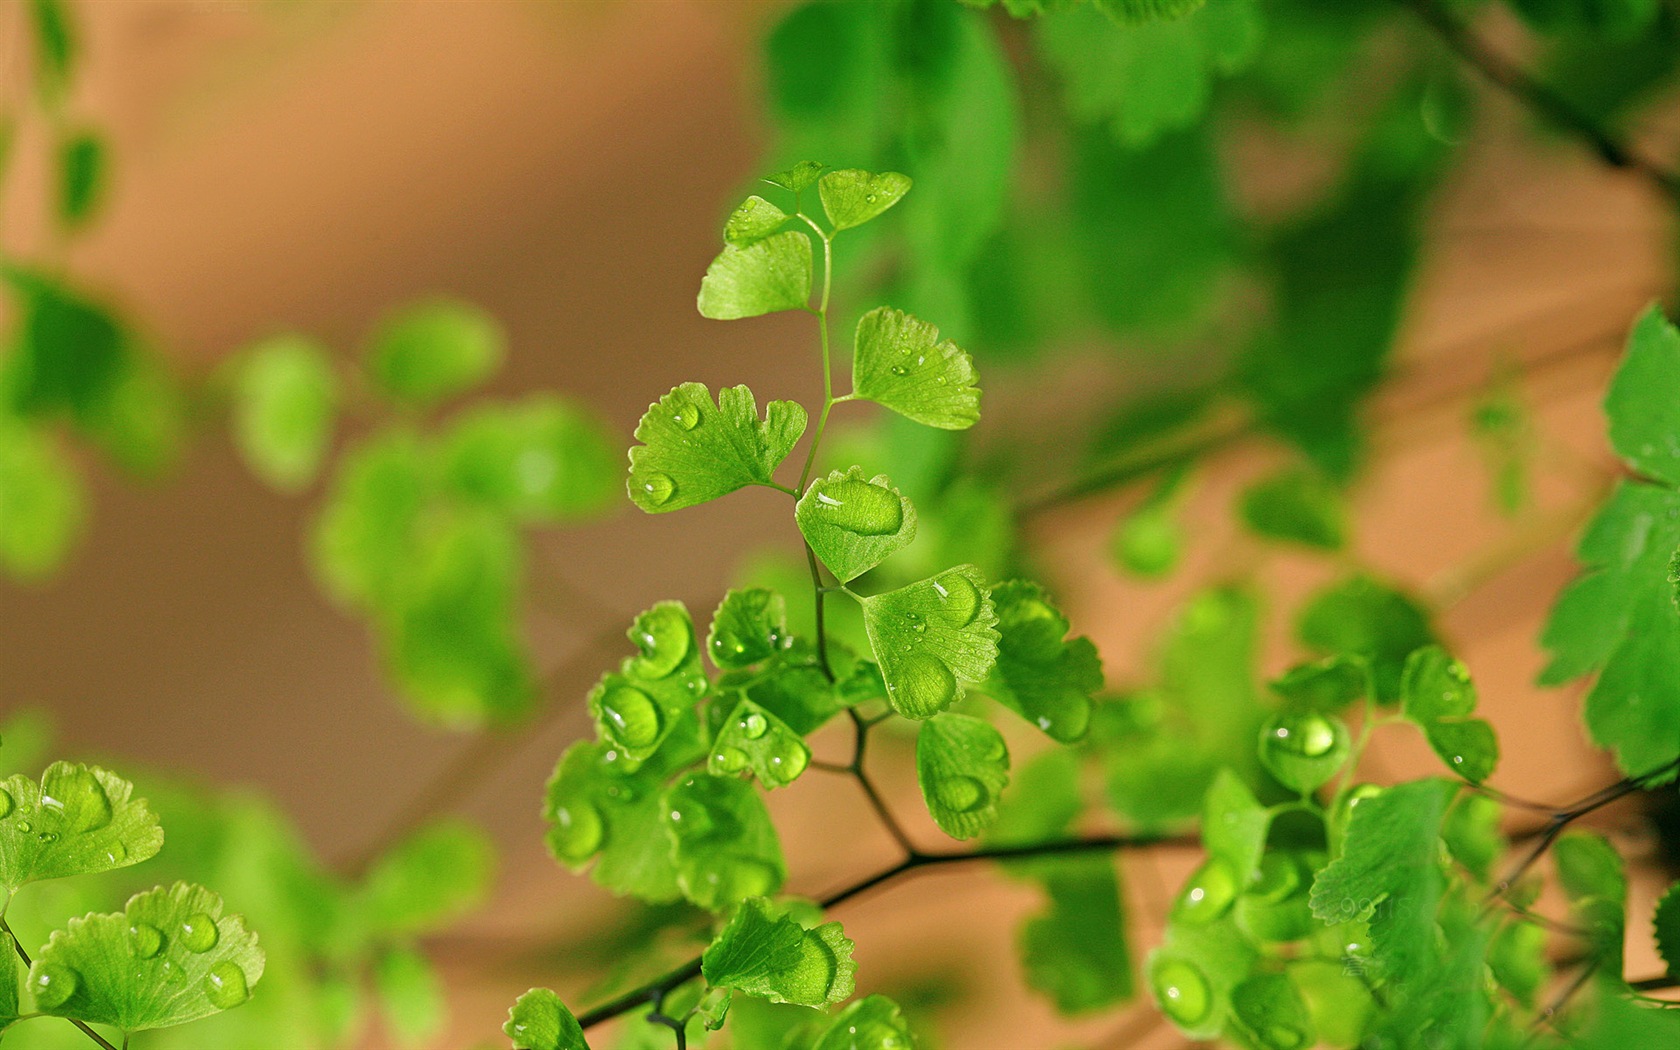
(876,802)
(821,597)
(1575,984)
(677,1025)
(1545,102)
(655,990)
(5,928)
(1655,984)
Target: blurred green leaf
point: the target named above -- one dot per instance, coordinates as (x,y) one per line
(428,880)
(287,396)
(410,996)
(83,176)
(1296,506)
(55,46)
(433,350)
(1040,673)
(42,503)
(1076,951)
(1666,924)
(1362,617)
(1436,693)
(541,460)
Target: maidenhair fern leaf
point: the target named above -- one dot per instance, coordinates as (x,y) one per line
(902,363)
(931,637)
(76,821)
(853,522)
(538,1020)
(772,957)
(694,450)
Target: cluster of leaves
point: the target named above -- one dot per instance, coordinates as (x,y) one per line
(663,805)
(423,527)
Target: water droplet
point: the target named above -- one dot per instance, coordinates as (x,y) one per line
(659,488)
(727,760)
(145,940)
(53,985)
(922,686)
(1207,894)
(1303,749)
(961,794)
(686,416)
(754,726)
(116,853)
(632,716)
(48,837)
(860,507)
(899,370)
(959,598)
(1282,1037)
(1182,991)
(869,198)
(85,800)
(5,803)
(225,985)
(24,827)
(1277,879)
(790,763)
(664,637)
(1309,737)
(198,933)
(577,831)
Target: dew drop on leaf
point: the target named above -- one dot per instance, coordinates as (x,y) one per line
(959,598)
(24,827)
(225,985)
(53,985)
(633,716)
(146,940)
(861,507)
(577,830)
(687,416)
(1281,1037)
(48,837)
(1309,737)
(728,760)
(1207,895)
(198,932)
(961,794)
(754,726)
(662,634)
(1183,992)
(925,684)
(659,488)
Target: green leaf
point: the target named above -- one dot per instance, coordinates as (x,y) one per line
(1234,826)
(1472,834)
(1076,951)
(82,169)
(1195,970)
(854,523)
(1149,542)
(752,738)
(901,363)
(71,353)
(428,880)
(749,626)
(753,220)
(872,1023)
(1146,78)
(931,637)
(764,277)
(694,450)
(1362,617)
(1147,10)
(78,820)
(363,541)
(636,707)
(1594,879)
(1666,925)
(594,805)
(852,197)
(1643,403)
(42,502)
(434,350)
(1390,874)
(1304,749)
(1046,801)
(1041,674)
(1296,506)
(538,1020)
(1327,686)
(541,460)
(56,45)
(1269,1008)
(773,957)
(11,976)
(798,178)
(722,841)
(169,957)
(410,996)
(962,764)
(286,401)
(1517,959)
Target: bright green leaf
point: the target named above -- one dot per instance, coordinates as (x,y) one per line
(1362,617)
(1517,959)
(1296,506)
(775,958)
(543,460)
(538,1020)
(82,170)
(1338,1000)
(410,996)
(1327,686)
(429,879)
(853,522)
(1234,826)
(1147,10)
(11,976)
(754,739)
(902,363)
(76,821)
(763,277)
(722,841)
(1194,971)
(1643,404)
(169,957)
(798,178)
(1390,874)
(286,401)
(962,764)
(1041,674)
(872,1023)
(1149,542)
(1472,834)
(753,220)
(1046,801)
(852,197)
(931,637)
(749,626)
(42,503)
(434,350)
(693,450)
(1076,951)
(1268,1006)
(637,706)
(363,541)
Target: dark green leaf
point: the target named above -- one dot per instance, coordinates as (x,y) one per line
(169,957)
(902,363)
(764,277)
(754,739)
(429,879)
(71,353)
(1667,928)
(773,957)
(1327,686)
(1076,951)
(1362,617)
(931,637)
(82,169)
(722,841)
(77,820)
(538,1020)
(1041,674)
(11,976)
(287,397)
(753,220)
(854,522)
(962,764)
(694,450)
(1044,804)
(852,197)
(434,350)
(1296,506)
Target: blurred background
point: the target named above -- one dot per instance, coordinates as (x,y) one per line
(311,167)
